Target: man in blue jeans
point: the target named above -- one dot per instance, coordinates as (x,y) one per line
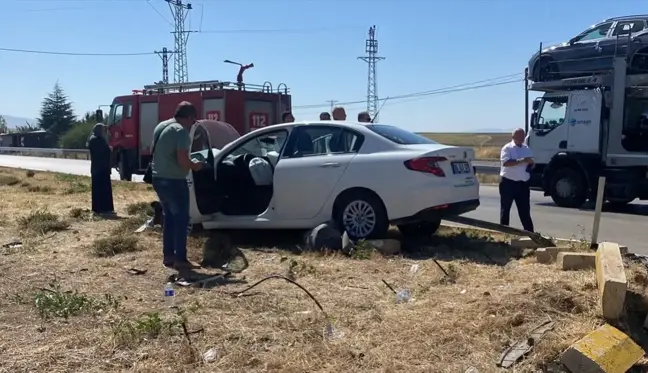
(170,166)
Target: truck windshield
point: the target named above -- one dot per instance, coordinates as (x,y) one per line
(116,113)
(553,113)
(399,135)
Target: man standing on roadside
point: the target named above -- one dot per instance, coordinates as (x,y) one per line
(325,116)
(517,160)
(287,117)
(170,166)
(364,117)
(339,113)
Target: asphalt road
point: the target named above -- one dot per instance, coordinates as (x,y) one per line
(618,226)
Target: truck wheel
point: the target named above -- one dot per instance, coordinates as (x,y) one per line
(124,171)
(568,188)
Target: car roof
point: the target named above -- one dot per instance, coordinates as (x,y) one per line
(624,18)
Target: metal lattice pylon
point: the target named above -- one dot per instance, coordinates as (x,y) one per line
(180,11)
(371,58)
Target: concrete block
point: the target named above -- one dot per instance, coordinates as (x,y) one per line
(548,255)
(386,246)
(576,261)
(523,243)
(611,279)
(605,350)
(623,249)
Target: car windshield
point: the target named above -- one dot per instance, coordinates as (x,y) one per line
(399,135)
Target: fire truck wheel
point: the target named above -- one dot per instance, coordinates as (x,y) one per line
(568,188)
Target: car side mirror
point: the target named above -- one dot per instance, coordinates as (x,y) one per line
(99,116)
(535,105)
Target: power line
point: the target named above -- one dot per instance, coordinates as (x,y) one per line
(438,91)
(72,53)
(159,13)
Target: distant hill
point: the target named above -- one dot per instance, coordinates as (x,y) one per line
(13,122)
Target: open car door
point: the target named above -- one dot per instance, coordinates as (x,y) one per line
(203,193)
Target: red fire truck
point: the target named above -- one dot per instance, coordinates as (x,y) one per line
(132,118)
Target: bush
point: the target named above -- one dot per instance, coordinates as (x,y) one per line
(76,137)
(42,222)
(115,245)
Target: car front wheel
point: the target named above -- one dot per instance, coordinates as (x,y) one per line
(362,215)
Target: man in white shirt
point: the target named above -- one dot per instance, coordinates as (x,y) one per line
(517,160)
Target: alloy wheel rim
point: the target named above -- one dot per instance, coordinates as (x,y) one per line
(359,218)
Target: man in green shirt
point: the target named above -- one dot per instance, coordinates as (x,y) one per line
(170,166)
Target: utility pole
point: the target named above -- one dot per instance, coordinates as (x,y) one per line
(332,102)
(180,11)
(164,55)
(371,58)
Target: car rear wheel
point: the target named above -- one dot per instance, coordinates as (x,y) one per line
(362,215)
(421,229)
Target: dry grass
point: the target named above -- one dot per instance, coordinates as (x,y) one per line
(69,306)
(486,145)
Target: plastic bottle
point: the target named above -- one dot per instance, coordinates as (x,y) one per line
(169,295)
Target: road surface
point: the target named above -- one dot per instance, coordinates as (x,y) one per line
(624,227)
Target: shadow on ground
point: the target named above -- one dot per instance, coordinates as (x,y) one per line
(461,246)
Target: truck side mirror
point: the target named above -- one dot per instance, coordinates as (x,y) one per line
(536,105)
(534,120)
(99,116)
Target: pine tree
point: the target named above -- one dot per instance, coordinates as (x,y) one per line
(57,115)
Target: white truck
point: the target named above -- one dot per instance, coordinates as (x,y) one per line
(583,128)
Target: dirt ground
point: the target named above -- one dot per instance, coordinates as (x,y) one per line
(74,298)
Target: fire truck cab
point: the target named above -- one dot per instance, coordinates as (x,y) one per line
(133,118)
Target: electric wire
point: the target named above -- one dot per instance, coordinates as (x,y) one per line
(72,53)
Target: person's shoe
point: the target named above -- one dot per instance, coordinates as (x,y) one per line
(185,265)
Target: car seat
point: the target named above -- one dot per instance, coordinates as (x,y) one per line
(304,145)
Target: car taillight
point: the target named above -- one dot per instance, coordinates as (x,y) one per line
(427,164)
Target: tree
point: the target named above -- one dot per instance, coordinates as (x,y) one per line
(57,115)
(76,137)
(3,125)
(27,127)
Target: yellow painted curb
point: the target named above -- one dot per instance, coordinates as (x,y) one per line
(605,350)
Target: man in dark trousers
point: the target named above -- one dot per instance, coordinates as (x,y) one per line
(517,160)
(100,170)
(170,166)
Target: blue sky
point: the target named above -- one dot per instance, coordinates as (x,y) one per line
(427,44)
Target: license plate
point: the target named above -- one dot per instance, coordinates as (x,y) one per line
(461,167)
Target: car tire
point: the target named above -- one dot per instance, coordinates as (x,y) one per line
(365,206)
(421,229)
(639,62)
(568,188)
(545,71)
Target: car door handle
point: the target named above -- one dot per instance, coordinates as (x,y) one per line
(330,164)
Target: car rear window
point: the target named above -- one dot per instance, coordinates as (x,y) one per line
(399,135)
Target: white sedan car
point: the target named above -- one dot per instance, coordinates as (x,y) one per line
(363,177)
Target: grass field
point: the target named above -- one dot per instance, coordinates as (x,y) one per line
(486,145)
(84,294)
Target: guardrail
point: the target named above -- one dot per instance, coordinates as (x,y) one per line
(84,154)
(47,152)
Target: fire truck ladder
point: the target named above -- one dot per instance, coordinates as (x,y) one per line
(204,85)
